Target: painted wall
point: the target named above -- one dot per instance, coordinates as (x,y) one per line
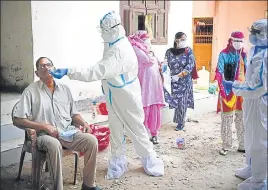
(179,20)
(16,46)
(232,16)
(66,32)
(203,9)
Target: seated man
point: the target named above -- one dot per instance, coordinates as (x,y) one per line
(52,108)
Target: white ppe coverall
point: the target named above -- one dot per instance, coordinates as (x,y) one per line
(118,71)
(254,92)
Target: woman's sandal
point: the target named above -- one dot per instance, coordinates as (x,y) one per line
(154,140)
(179,128)
(241,150)
(223,152)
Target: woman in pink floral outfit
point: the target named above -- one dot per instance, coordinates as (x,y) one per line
(151,81)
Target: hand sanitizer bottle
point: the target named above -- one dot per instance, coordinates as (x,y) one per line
(94,110)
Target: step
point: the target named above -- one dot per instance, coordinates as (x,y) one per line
(8,100)
(203,104)
(11,144)
(9,132)
(12,156)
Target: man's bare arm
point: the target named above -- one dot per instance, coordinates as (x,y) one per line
(36,126)
(77,119)
(29,124)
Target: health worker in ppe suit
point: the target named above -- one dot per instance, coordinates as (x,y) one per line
(118,71)
(254,92)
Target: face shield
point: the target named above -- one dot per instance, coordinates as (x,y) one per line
(258,33)
(109,26)
(101,29)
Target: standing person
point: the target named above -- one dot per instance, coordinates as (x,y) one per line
(181,62)
(231,66)
(118,71)
(254,91)
(151,82)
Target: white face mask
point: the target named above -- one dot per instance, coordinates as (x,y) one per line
(182,44)
(147,42)
(237,45)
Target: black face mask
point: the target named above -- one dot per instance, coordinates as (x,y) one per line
(229,72)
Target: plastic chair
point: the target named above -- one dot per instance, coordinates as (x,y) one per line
(38,157)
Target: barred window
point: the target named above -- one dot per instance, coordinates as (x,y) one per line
(149,15)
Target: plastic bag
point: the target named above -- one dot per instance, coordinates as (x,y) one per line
(101,109)
(167,78)
(102,133)
(68,135)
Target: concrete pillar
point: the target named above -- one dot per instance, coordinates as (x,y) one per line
(17,68)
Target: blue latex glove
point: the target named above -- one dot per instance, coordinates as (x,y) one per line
(59,73)
(164,68)
(212,89)
(228,85)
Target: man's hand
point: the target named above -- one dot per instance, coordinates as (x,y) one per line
(86,128)
(59,73)
(51,130)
